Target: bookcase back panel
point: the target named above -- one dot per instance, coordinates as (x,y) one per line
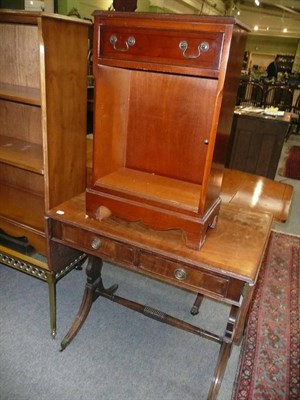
(22,179)
(21,121)
(21,209)
(19,64)
(167,128)
(163,132)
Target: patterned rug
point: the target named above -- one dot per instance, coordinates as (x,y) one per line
(270,359)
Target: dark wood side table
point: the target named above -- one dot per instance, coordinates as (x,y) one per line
(225,269)
(256,142)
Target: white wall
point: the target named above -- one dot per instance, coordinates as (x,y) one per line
(86,7)
(39,5)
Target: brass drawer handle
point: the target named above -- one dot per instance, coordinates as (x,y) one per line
(180,274)
(129,42)
(96,244)
(203,47)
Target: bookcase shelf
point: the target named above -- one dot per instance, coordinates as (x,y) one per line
(21,94)
(22,154)
(173,193)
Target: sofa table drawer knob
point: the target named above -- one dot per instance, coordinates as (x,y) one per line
(96,244)
(180,274)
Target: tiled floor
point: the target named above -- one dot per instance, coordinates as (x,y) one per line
(293,223)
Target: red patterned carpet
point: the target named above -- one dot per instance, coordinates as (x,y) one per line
(291,167)
(270,358)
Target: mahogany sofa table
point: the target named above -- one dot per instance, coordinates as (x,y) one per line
(225,269)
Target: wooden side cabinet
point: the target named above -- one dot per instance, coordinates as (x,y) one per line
(165,88)
(43,80)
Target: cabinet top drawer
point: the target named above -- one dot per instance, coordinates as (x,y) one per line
(187,44)
(160,47)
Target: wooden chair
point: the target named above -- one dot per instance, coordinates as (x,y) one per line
(250,94)
(295,124)
(279,96)
(296,106)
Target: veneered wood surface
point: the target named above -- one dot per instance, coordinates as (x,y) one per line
(257,193)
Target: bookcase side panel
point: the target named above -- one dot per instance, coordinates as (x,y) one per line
(65,63)
(111,109)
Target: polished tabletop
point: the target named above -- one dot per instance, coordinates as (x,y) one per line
(235,246)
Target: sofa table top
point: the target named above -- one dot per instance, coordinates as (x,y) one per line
(235,246)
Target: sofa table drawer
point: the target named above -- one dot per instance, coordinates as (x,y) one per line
(201,49)
(108,249)
(183,275)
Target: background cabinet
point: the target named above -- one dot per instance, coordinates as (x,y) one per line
(43,72)
(164,99)
(256,143)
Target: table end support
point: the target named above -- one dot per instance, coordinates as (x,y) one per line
(93,286)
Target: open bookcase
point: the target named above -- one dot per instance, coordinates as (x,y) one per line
(43,114)
(165,89)
(43,95)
